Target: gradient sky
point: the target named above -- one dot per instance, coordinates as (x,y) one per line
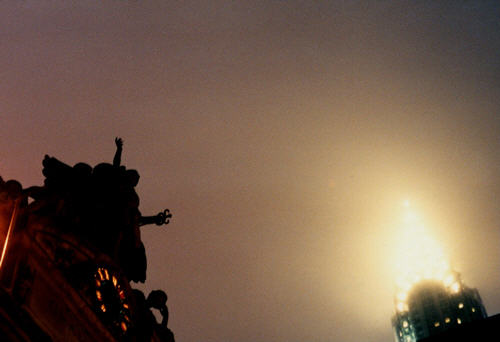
(283,135)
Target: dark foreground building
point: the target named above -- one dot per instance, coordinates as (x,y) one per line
(485,330)
(69,252)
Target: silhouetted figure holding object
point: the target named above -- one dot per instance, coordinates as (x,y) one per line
(160,219)
(99,204)
(85,216)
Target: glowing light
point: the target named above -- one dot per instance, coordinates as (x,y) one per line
(447,320)
(448,280)
(461,305)
(401,296)
(123,325)
(98,295)
(99,270)
(103,308)
(437,324)
(106,273)
(401,307)
(459,321)
(115,281)
(419,257)
(9,231)
(455,287)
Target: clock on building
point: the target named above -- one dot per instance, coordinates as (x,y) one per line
(111,300)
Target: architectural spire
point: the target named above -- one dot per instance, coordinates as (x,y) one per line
(430,296)
(419,257)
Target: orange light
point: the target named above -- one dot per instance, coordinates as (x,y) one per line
(123,326)
(125,305)
(99,295)
(115,281)
(107,274)
(99,270)
(97,283)
(103,308)
(122,294)
(9,231)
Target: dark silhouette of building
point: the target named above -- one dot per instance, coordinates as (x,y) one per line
(477,331)
(69,252)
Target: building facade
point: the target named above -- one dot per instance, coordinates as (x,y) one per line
(69,251)
(432,307)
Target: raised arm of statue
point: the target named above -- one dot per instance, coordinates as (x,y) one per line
(118,154)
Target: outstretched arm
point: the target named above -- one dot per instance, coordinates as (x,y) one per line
(118,154)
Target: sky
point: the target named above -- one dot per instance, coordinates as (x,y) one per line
(284,136)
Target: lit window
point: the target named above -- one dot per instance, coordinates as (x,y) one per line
(447,320)
(405,324)
(459,321)
(473,309)
(437,324)
(461,305)
(455,287)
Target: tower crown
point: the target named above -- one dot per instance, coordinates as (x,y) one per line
(419,257)
(430,296)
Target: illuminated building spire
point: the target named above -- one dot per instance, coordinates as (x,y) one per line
(419,257)
(430,296)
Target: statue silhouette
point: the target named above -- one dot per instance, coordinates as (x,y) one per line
(100,207)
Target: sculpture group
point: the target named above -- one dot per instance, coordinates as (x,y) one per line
(100,207)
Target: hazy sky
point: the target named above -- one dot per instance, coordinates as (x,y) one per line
(283,136)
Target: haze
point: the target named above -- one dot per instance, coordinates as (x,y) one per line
(283,135)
